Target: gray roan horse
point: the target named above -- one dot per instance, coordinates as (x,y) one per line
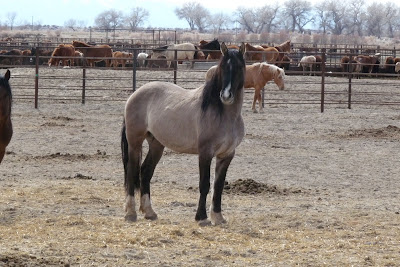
(206,121)
(6,130)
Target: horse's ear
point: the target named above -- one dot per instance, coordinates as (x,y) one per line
(242,49)
(224,49)
(7,75)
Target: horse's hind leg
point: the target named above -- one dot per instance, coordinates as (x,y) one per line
(131,157)
(2,152)
(221,168)
(147,170)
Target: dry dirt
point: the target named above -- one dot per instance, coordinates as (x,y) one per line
(305,188)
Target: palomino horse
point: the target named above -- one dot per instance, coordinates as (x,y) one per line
(94,53)
(257,76)
(185,51)
(258,53)
(6,130)
(206,121)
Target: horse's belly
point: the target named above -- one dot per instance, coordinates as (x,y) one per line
(177,142)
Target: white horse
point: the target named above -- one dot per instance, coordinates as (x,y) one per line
(185,51)
(307,62)
(141,58)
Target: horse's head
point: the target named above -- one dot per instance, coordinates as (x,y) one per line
(5,94)
(232,68)
(279,78)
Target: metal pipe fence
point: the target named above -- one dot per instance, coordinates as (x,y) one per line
(328,86)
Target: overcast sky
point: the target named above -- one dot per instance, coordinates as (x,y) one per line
(56,12)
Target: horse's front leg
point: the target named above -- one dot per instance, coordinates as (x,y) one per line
(221,168)
(260,100)
(204,187)
(255,100)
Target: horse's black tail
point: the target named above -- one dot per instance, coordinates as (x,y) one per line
(130,182)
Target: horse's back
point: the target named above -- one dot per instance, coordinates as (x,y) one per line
(167,111)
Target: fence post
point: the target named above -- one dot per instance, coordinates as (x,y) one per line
(36,77)
(83,80)
(323,80)
(350,76)
(175,64)
(134,69)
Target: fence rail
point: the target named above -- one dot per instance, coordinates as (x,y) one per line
(327,86)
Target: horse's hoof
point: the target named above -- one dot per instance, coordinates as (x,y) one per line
(204,222)
(255,111)
(131,218)
(151,217)
(217,218)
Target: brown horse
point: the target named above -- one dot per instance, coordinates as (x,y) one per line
(257,76)
(6,130)
(64,53)
(121,58)
(94,53)
(284,63)
(206,121)
(283,48)
(260,54)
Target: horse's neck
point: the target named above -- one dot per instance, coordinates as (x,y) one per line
(235,109)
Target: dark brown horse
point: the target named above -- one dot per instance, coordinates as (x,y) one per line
(6,130)
(206,121)
(94,53)
(260,54)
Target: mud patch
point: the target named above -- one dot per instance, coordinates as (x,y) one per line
(79,176)
(251,187)
(30,260)
(73,157)
(389,131)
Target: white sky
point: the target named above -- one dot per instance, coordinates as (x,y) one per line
(56,12)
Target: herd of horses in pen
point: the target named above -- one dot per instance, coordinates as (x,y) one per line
(308,60)
(206,121)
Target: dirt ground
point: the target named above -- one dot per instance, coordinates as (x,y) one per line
(305,188)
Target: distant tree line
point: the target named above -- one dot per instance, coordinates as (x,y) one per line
(329,16)
(344,17)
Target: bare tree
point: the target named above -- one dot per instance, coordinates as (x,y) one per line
(336,12)
(356,15)
(136,17)
(247,18)
(268,16)
(109,20)
(257,20)
(322,16)
(195,14)
(11,19)
(220,21)
(375,19)
(392,13)
(71,23)
(299,13)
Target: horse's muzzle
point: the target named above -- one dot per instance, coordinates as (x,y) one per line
(226,100)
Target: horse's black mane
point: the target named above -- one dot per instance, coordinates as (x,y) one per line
(211,92)
(4,84)
(161,48)
(213,45)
